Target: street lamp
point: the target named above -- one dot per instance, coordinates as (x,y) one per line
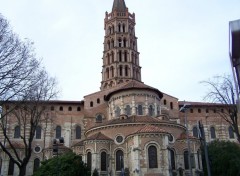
(184,109)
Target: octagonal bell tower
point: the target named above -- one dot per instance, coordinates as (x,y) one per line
(120,55)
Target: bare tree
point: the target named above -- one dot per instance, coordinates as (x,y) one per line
(222,90)
(25,89)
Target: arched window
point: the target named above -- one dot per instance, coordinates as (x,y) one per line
(17,132)
(125,56)
(91,104)
(152,157)
(172,159)
(69,108)
(124,42)
(112,43)
(171,105)
(199,159)
(78,108)
(119,160)
(212,131)
(103,161)
(158,110)
(113,30)
(89,160)
(60,108)
(120,70)
(123,27)
(78,132)
(164,102)
(117,112)
(58,132)
(195,132)
(120,56)
(108,44)
(38,132)
(52,108)
(140,110)
(186,163)
(151,110)
(126,70)
(99,118)
(36,164)
(230,132)
(112,57)
(107,72)
(98,101)
(10,167)
(112,70)
(128,110)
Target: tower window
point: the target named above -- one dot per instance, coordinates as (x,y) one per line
(119,42)
(123,28)
(191,110)
(98,101)
(171,105)
(124,43)
(199,110)
(78,108)
(119,27)
(120,56)
(69,108)
(126,70)
(125,56)
(120,70)
(60,108)
(91,104)
(52,108)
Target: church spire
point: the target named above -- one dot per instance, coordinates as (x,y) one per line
(119,5)
(120,55)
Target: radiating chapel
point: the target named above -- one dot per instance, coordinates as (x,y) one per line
(127,126)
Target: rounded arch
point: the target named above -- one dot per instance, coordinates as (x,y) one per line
(119,159)
(99,117)
(212,132)
(78,131)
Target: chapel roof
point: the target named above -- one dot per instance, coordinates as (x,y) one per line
(133,85)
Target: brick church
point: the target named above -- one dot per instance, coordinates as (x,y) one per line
(127,126)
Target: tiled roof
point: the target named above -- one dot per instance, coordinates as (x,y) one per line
(184,136)
(78,143)
(134,85)
(98,136)
(150,129)
(181,103)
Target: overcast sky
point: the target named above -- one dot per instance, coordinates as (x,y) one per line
(181,42)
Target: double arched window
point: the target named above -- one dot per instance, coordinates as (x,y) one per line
(152,157)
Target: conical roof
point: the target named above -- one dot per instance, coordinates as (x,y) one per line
(119,5)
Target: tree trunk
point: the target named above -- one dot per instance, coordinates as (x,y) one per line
(22,170)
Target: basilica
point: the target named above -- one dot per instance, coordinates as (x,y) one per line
(127,127)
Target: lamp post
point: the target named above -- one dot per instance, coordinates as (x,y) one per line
(184,109)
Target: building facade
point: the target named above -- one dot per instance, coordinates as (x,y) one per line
(127,126)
